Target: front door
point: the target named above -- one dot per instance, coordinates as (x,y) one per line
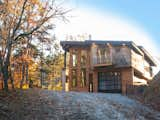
(109,82)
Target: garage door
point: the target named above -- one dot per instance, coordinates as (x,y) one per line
(109,82)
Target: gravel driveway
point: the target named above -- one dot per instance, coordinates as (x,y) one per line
(35,104)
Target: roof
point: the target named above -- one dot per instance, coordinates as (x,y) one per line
(138,49)
(148,56)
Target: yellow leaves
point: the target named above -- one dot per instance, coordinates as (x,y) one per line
(25,86)
(28,7)
(12,8)
(41,8)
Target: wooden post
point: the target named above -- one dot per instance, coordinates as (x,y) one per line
(64,72)
(65,55)
(63,79)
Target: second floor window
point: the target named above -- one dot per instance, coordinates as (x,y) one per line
(83,57)
(103,55)
(74,59)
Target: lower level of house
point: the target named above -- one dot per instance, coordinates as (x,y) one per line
(117,80)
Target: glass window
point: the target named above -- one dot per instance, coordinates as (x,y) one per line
(103,55)
(109,81)
(74,78)
(74,58)
(83,77)
(83,57)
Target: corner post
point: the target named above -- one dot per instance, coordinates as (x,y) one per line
(64,72)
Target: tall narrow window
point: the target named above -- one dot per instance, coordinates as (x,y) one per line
(83,57)
(74,58)
(74,78)
(83,77)
(103,55)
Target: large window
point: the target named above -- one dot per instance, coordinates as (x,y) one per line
(109,82)
(74,78)
(83,77)
(103,55)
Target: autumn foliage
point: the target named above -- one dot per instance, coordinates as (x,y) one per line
(24,23)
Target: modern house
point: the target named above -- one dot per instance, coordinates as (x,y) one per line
(106,66)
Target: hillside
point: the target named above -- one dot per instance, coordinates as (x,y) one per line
(35,104)
(152,92)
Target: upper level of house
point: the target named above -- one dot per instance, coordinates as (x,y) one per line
(118,54)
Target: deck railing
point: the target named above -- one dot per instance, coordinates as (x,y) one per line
(102,60)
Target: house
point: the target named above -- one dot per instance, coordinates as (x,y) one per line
(106,66)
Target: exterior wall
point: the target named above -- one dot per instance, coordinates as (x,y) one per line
(123,59)
(95,81)
(139,81)
(78,68)
(140,64)
(127,79)
(70,70)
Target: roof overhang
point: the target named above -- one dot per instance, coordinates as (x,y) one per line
(138,49)
(148,56)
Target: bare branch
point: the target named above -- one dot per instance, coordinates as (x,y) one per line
(20,19)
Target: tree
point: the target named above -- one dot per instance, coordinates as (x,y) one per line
(24,57)
(22,19)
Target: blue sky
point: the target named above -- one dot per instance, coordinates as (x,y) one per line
(136,20)
(142,12)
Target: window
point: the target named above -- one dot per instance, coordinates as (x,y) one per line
(74,78)
(109,81)
(74,58)
(83,77)
(103,55)
(83,57)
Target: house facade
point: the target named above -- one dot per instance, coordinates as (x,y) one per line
(105,66)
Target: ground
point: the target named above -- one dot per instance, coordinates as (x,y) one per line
(36,104)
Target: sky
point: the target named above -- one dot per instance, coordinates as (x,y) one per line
(134,20)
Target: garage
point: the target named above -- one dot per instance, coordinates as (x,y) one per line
(109,82)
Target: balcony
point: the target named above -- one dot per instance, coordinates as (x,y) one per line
(102,60)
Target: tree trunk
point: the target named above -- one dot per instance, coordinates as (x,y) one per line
(5,66)
(5,77)
(41,79)
(12,79)
(12,82)
(27,73)
(23,75)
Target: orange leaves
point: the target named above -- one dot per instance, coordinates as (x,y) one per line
(34,2)
(32,22)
